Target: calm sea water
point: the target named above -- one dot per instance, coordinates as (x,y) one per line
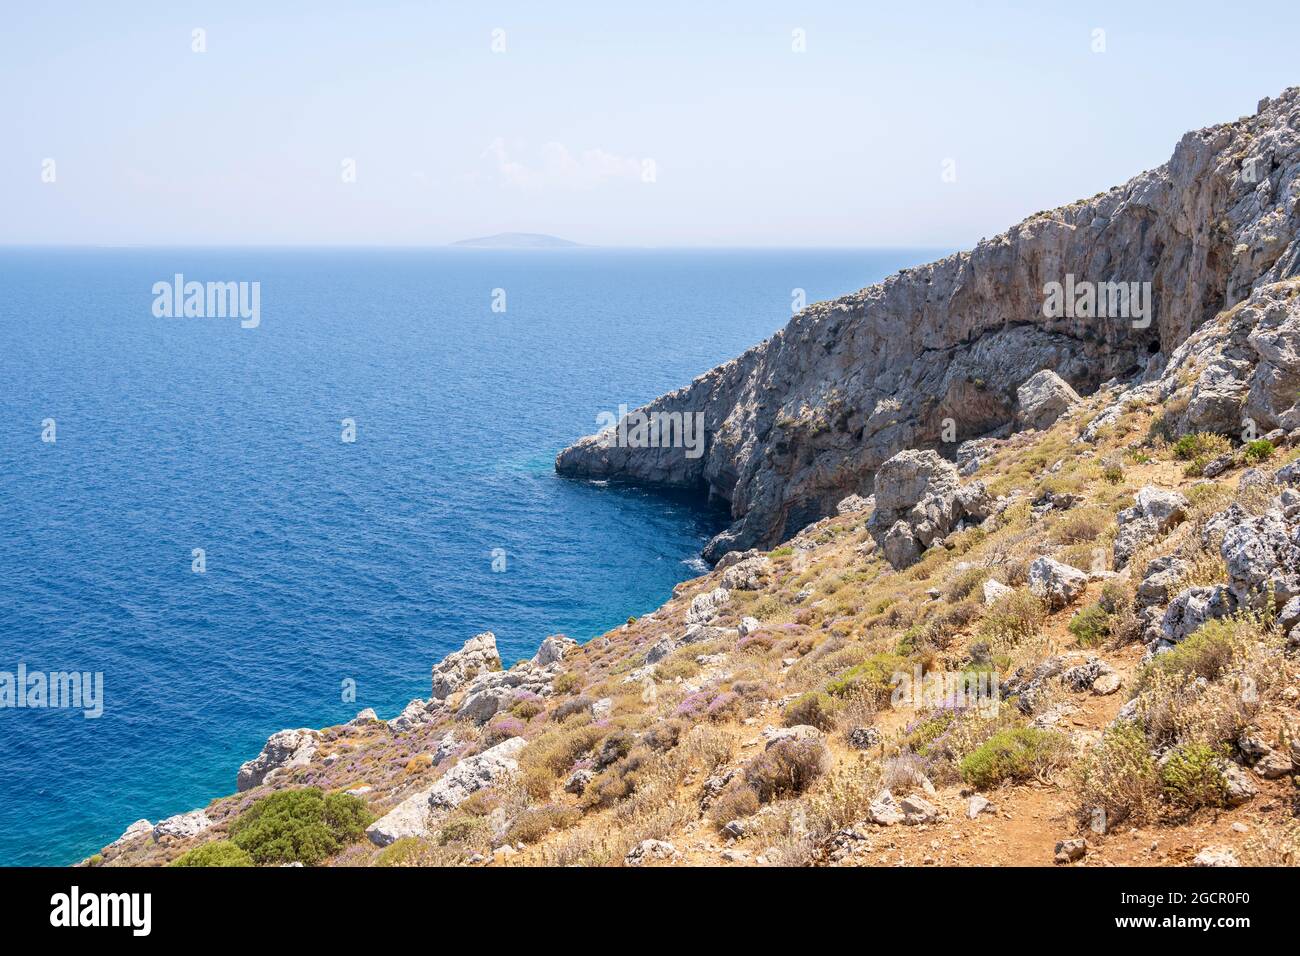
(326,561)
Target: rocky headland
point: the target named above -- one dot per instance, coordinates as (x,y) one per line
(1004,586)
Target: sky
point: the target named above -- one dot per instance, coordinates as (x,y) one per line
(645,124)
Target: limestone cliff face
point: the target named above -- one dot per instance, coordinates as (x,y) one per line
(805,418)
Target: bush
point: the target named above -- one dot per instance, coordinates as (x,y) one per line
(961,587)
(1112,472)
(1082,526)
(567,683)
(464,828)
(1012,618)
(557,750)
(1016,754)
(786,768)
(217,853)
(736,802)
(1259,450)
(1091,625)
(1117,777)
(408,851)
(814,708)
(299,826)
(675,667)
(872,679)
(1204,445)
(535,822)
(1207,653)
(1191,777)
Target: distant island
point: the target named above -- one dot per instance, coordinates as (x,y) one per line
(518,240)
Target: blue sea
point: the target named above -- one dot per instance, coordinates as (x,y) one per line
(326,561)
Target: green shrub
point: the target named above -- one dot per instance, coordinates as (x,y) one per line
(1091,625)
(217,853)
(408,851)
(872,679)
(1016,754)
(1259,450)
(567,683)
(1012,618)
(1117,777)
(1191,777)
(299,826)
(1204,445)
(1112,472)
(927,731)
(1207,653)
(814,708)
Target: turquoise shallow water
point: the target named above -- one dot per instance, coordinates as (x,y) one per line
(326,561)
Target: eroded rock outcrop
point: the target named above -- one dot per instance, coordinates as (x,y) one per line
(920,500)
(283,750)
(457,669)
(799,422)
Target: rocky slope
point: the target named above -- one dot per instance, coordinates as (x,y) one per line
(1074,641)
(805,418)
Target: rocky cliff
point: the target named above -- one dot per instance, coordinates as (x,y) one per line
(934,355)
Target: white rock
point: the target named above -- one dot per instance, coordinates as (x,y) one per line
(995,590)
(283,750)
(182,825)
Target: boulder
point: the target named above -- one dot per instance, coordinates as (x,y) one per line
(1159,579)
(283,750)
(705,607)
(414,714)
(1056,584)
(1043,399)
(919,501)
(140,829)
(578,781)
(1068,851)
(884,810)
(553,650)
(182,825)
(478,655)
(410,818)
(1191,608)
(659,650)
(474,773)
(1106,684)
(1155,512)
(649,850)
(1216,856)
(995,591)
(1263,555)
(1238,788)
(747,575)
(916,809)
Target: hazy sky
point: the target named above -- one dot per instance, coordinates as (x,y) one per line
(752,143)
